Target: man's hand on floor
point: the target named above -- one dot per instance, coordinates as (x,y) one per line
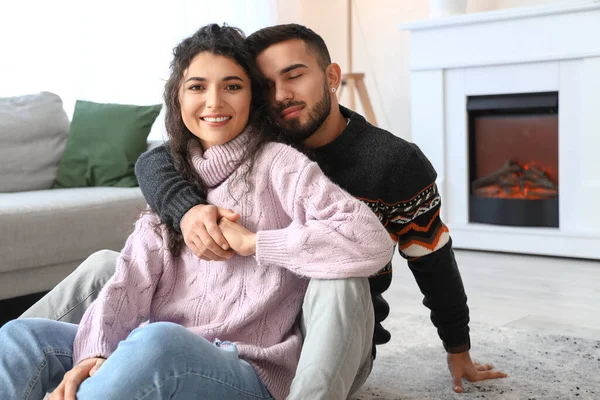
(202,234)
(461,366)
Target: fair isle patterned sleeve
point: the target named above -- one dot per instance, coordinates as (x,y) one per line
(416,223)
(411,214)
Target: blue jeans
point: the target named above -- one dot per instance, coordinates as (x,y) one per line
(158,361)
(337,320)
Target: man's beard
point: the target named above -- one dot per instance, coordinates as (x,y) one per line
(296,132)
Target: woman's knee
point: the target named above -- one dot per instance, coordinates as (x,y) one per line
(13,329)
(36,331)
(161,339)
(20,329)
(22,333)
(157,332)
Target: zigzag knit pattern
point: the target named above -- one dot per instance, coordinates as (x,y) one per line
(415,223)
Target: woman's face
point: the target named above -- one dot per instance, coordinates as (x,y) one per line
(215,99)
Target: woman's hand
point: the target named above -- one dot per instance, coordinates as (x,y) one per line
(240,239)
(75,377)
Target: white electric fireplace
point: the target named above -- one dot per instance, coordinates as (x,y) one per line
(506,105)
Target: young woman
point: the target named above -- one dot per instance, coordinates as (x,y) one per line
(217,330)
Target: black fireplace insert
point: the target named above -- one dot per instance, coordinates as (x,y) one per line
(513,159)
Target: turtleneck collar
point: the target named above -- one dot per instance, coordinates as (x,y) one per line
(218,162)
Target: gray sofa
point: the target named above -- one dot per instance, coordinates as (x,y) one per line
(46,233)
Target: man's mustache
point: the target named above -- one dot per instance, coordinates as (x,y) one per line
(282,106)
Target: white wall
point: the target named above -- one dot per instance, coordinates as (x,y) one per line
(114,52)
(380,49)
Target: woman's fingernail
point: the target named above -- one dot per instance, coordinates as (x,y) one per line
(225,247)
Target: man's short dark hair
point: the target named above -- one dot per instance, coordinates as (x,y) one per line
(266,37)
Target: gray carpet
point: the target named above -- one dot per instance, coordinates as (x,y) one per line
(413,365)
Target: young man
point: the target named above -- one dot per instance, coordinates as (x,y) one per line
(341,319)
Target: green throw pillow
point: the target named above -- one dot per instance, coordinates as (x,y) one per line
(105,141)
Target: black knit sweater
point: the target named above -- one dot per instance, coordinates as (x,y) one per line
(395,179)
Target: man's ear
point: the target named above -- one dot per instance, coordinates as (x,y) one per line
(334,76)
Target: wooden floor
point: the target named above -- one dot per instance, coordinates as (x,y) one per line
(554,295)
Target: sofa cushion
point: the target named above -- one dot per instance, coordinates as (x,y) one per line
(62,225)
(105,141)
(33,132)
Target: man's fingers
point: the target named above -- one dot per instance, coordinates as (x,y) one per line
(202,252)
(192,245)
(483,367)
(198,249)
(199,225)
(229,214)
(203,246)
(216,237)
(456,380)
(457,384)
(210,250)
(214,241)
(493,375)
(483,375)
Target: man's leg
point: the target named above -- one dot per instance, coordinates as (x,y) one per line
(68,301)
(36,354)
(338,323)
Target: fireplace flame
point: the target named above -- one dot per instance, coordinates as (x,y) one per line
(516,181)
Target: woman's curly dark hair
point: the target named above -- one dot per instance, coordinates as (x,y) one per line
(225,41)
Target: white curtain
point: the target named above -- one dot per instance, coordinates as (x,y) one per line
(114,51)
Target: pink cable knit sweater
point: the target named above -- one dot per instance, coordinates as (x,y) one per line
(306,226)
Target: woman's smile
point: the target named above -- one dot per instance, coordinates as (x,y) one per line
(216,121)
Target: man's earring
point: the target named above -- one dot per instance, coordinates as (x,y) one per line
(333,90)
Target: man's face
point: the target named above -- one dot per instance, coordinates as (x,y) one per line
(299,95)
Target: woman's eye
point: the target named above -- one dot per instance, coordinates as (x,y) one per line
(196,87)
(295,76)
(233,87)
